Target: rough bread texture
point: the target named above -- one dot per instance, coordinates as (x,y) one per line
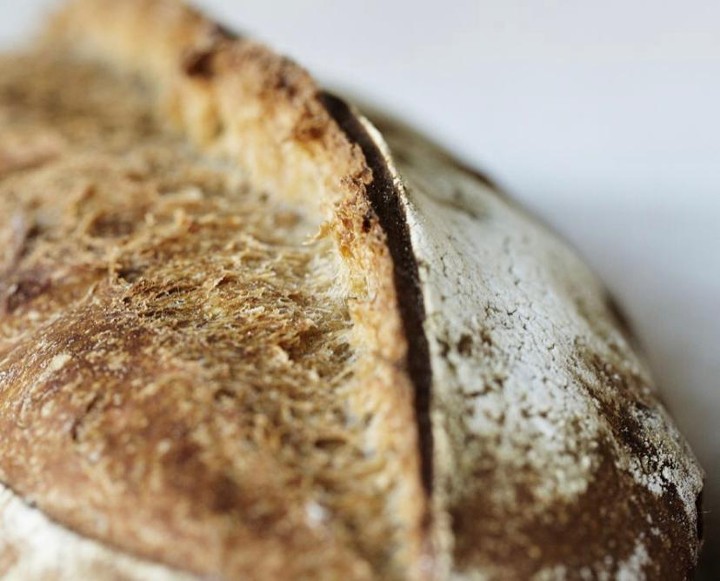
(179,345)
(241,339)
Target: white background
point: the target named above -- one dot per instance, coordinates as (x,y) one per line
(601,115)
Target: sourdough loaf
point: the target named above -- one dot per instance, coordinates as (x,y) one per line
(244,332)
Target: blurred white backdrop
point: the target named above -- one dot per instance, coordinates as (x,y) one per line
(601,116)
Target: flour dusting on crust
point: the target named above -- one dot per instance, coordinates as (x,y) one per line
(558,452)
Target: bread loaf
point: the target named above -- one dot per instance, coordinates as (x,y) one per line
(246,333)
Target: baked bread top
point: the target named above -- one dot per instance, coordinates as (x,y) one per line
(240,337)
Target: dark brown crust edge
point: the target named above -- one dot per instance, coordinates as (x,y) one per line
(384,199)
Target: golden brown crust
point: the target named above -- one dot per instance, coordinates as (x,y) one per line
(284,140)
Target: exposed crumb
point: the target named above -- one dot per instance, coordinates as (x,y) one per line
(175,340)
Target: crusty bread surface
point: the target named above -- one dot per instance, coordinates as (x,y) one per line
(179,344)
(245,334)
